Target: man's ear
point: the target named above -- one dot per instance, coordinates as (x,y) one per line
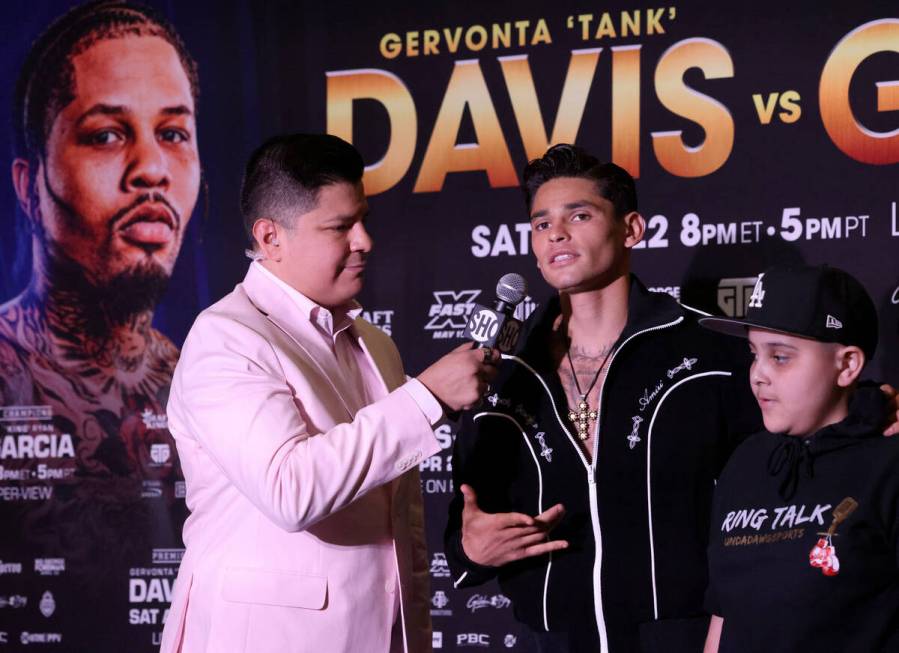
(634,228)
(265,232)
(21,181)
(850,361)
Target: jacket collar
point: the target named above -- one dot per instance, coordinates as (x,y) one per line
(645,310)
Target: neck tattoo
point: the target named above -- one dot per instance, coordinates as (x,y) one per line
(583,416)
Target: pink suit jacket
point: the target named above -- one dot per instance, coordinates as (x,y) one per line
(277,555)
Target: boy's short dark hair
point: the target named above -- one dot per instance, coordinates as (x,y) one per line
(612,182)
(284,174)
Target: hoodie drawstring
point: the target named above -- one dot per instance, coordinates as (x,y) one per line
(791,454)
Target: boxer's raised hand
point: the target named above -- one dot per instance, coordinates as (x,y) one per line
(495,539)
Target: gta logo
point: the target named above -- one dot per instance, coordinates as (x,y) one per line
(735,295)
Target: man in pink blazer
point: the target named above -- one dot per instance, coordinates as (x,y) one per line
(300,435)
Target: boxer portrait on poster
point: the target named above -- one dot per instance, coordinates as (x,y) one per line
(107,174)
(107,178)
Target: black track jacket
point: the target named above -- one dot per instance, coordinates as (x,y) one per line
(675,403)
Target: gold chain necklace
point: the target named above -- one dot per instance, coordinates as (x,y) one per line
(584,415)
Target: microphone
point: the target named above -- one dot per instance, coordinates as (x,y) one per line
(496,327)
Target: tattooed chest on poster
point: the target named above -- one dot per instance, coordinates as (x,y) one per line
(68,420)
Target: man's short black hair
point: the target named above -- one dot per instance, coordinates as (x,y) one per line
(46,83)
(284,174)
(612,182)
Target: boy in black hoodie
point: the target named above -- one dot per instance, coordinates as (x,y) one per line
(803,551)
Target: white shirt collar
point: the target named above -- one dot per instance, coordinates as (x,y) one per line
(318,315)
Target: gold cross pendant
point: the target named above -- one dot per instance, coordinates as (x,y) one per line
(582,418)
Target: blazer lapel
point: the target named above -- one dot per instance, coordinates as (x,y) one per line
(287,316)
(381,361)
(375,356)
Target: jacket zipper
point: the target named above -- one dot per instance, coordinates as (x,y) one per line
(594,501)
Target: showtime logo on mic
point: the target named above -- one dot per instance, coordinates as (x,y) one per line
(493,329)
(483,324)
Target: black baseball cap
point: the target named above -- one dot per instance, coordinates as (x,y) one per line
(820,302)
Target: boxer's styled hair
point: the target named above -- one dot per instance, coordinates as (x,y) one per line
(612,182)
(284,175)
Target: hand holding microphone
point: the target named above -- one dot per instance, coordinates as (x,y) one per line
(460,378)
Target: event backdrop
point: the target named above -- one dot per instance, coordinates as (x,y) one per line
(758,133)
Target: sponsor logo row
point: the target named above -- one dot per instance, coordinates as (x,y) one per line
(42,566)
(475,640)
(46,605)
(56,566)
(440,602)
(26,637)
(448,314)
(150,488)
(155,489)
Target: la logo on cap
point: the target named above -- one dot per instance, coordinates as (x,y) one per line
(833,323)
(758,294)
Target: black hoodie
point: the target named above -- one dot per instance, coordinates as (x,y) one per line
(778,579)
